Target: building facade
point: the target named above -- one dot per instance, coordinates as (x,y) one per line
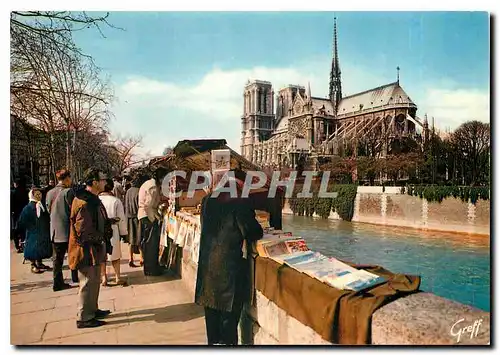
(29,153)
(302,126)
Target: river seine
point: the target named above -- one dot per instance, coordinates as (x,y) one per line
(455,266)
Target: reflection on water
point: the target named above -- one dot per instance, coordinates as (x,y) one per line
(455,266)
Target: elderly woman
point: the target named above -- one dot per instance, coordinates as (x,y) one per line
(116,213)
(34,223)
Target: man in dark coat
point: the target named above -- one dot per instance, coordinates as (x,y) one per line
(223,274)
(46,190)
(90,229)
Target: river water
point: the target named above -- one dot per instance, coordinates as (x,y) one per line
(455,266)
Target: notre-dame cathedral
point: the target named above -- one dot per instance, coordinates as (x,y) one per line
(302,125)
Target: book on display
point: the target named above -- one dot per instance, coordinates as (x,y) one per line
(275,249)
(295,258)
(355,281)
(296,245)
(325,267)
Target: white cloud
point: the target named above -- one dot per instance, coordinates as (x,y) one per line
(166,112)
(452,107)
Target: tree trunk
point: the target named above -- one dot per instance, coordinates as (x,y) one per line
(68,148)
(52,155)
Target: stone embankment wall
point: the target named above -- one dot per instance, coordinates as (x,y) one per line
(391,208)
(419,319)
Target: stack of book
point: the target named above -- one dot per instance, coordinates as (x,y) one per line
(332,271)
(293,251)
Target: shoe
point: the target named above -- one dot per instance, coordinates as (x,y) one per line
(19,250)
(121,283)
(131,264)
(141,263)
(36,270)
(89,324)
(102,313)
(44,267)
(62,287)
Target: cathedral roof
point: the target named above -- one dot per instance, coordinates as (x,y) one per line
(282,125)
(320,102)
(383,95)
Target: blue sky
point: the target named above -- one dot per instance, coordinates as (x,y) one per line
(181,75)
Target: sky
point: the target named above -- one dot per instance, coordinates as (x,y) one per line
(181,75)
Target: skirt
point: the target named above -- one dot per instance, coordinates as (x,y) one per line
(37,247)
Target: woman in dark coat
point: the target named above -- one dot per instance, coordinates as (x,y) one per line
(34,223)
(223,274)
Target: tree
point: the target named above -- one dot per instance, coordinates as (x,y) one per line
(55,27)
(125,148)
(341,169)
(54,86)
(472,141)
(400,166)
(368,168)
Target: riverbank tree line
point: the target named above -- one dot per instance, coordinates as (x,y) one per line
(461,158)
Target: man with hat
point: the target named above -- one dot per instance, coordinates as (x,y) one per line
(89,230)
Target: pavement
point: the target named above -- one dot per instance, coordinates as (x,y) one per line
(151,310)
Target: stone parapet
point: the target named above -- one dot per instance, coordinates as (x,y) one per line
(418,319)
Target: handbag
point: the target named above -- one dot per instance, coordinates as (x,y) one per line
(108,234)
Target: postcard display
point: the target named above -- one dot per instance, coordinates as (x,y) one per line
(183,227)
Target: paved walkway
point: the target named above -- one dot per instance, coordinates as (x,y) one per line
(151,310)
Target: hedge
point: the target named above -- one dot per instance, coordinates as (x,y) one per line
(434,193)
(343,204)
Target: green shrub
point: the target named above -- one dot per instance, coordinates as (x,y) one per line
(434,193)
(343,204)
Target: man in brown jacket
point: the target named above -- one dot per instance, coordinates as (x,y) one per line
(87,248)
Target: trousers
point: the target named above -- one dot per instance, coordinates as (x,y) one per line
(60,250)
(222,327)
(150,245)
(88,294)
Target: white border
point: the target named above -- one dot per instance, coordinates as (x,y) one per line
(213,5)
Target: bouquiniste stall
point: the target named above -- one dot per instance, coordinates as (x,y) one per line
(334,298)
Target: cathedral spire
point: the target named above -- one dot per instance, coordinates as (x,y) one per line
(335,94)
(309,97)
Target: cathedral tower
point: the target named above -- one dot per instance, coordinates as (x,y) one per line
(285,99)
(335,93)
(258,115)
